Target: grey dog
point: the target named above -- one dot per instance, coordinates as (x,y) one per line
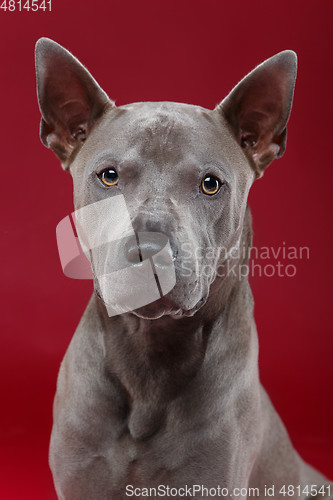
(168,395)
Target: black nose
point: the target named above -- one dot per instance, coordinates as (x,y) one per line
(145,245)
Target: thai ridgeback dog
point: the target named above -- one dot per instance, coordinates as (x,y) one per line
(163,398)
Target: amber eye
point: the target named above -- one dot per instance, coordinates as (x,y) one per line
(210,185)
(109,177)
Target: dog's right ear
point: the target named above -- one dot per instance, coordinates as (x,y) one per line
(70,100)
(258,109)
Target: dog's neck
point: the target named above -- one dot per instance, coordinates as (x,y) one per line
(154,360)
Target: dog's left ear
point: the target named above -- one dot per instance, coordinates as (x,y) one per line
(70,100)
(258,109)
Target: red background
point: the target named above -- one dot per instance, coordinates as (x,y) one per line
(191,51)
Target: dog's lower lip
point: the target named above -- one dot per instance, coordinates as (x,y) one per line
(147,316)
(189,312)
(177,314)
(171,310)
(157,315)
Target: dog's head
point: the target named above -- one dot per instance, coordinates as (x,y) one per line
(161,184)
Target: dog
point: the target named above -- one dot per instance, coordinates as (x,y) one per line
(164,396)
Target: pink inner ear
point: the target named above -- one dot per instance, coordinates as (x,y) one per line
(65,97)
(70,99)
(247,140)
(255,127)
(68,94)
(261,106)
(75,114)
(258,108)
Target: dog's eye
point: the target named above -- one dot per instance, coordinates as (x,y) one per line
(210,185)
(109,177)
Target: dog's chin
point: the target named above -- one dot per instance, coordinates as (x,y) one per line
(161,308)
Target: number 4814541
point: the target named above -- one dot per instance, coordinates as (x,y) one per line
(25,5)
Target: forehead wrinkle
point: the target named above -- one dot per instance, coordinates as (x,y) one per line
(160,137)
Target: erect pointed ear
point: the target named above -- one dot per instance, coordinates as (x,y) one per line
(258,109)
(70,100)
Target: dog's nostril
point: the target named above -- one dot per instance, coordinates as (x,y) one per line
(132,252)
(147,245)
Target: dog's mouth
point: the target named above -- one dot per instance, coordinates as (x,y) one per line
(164,307)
